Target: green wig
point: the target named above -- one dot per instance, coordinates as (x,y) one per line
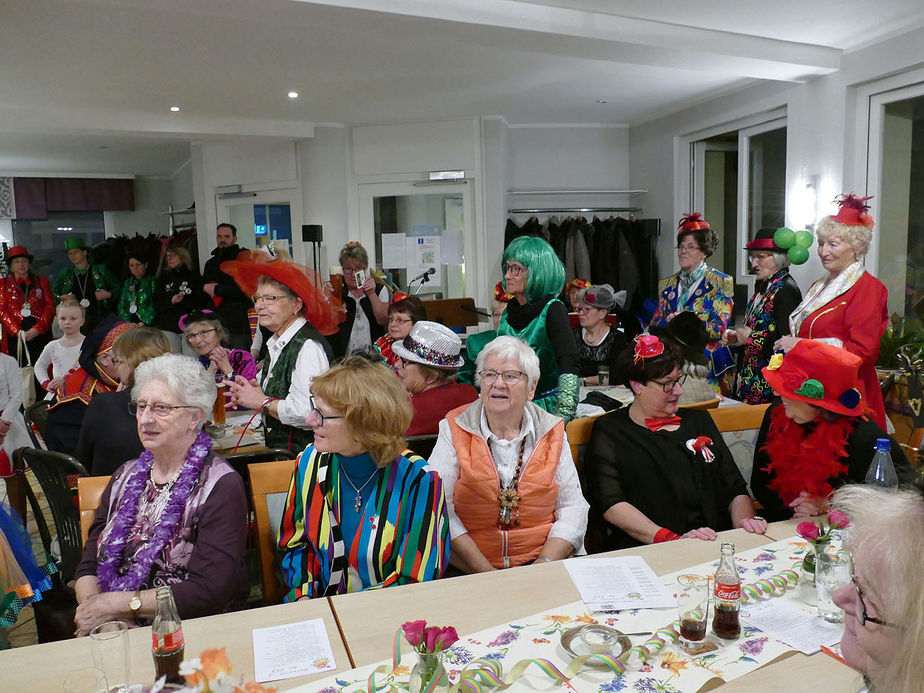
(546,273)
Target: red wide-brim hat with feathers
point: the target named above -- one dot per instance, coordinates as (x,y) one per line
(322,309)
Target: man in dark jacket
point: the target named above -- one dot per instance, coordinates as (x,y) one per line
(231,303)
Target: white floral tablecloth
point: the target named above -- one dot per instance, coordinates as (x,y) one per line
(669,671)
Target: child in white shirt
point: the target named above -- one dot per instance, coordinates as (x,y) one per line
(61,355)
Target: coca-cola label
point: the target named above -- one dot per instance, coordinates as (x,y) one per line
(728,592)
(170,642)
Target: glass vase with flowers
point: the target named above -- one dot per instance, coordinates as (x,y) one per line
(818,534)
(430,643)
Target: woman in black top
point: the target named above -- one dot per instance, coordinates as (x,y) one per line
(653,475)
(178,291)
(598,343)
(109,433)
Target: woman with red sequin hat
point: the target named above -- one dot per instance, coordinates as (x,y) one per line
(847,307)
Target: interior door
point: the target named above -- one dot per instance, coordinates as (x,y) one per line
(261,217)
(411,228)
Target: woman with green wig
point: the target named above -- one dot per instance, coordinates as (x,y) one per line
(535,276)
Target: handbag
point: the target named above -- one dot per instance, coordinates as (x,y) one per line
(26,371)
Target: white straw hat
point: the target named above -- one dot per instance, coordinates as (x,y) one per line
(431,344)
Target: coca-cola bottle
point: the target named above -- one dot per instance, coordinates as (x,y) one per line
(167,631)
(727,593)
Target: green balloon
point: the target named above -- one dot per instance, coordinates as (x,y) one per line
(804,239)
(798,254)
(784,237)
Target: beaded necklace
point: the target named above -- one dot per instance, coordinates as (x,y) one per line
(509,497)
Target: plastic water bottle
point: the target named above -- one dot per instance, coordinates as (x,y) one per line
(881,470)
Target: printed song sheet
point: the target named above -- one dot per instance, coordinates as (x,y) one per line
(295,649)
(625,582)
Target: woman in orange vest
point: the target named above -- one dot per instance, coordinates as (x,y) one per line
(511,486)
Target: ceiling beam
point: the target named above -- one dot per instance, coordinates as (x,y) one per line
(595,35)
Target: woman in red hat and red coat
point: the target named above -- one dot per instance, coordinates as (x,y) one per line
(847,308)
(26,304)
(818,438)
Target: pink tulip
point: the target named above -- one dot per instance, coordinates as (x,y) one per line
(446,638)
(838,519)
(808,530)
(413,631)
(430,636)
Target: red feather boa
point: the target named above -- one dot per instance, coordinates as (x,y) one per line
(805,459)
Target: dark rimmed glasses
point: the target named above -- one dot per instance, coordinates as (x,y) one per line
(668,385)
(514,270)
(317,412)
(862,615)
(160,409)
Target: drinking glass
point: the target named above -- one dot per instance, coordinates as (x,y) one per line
(603,373)
(832,570)
(87,680)
(109,644)
(693,610)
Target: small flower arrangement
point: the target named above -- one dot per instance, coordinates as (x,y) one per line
(817,533)
(429,639)
(210,672)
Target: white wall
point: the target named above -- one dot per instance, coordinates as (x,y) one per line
(822,138)
(181,186)
(323,163)
(152,195)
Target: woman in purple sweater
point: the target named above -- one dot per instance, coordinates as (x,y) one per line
(175,516)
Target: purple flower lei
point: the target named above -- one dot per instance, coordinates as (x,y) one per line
(108,570)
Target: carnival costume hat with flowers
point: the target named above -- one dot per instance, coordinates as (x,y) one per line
(431,344)
(819,374)
(808,457)
(500,295)
(853,211)
(577,284)
(322,309)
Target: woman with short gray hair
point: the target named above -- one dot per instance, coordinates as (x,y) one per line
(511,486)
(175,516)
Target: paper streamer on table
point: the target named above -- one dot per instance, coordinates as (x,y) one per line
(483,674)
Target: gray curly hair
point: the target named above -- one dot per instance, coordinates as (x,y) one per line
(190,383)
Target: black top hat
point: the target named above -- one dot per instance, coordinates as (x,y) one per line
(689,333)
(764,241)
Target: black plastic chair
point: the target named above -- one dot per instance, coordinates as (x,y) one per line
(51,470)
(423,445)
(37,415)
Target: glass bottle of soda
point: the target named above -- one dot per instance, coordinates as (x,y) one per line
(167,632)
(727,596)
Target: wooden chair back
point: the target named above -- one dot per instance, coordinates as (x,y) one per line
(704,405)
(578,431)
(89,491)
(739,418)
(269,484)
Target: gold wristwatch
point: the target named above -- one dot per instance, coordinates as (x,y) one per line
(135,603)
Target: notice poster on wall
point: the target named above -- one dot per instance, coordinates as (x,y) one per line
(394,253)
(423,253)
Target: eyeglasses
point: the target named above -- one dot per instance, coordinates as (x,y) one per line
(587,309)
(160,409)
(668,385)
(862,615)
(317,412)
(514,270)
(195,335)
(760,257)
(509,377)
(687,247)
(269,299)
(398,319)
(352,270)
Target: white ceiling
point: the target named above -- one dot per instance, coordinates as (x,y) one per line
(86,85)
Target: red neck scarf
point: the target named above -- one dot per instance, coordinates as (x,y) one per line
(805,458)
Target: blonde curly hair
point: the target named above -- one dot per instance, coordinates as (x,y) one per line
(858,237)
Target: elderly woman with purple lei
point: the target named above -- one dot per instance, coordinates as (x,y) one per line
(176,516)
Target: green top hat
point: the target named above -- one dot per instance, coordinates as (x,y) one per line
(75,243)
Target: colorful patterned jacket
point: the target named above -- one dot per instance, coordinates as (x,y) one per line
(402,536)
(12,300)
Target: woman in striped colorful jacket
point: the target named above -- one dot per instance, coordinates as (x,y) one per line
(362,512)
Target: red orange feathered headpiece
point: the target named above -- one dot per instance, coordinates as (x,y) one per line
(692,222)
(853,211)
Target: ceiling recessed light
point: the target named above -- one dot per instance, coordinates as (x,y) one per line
(601,101)
(293,94)
(174,108)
